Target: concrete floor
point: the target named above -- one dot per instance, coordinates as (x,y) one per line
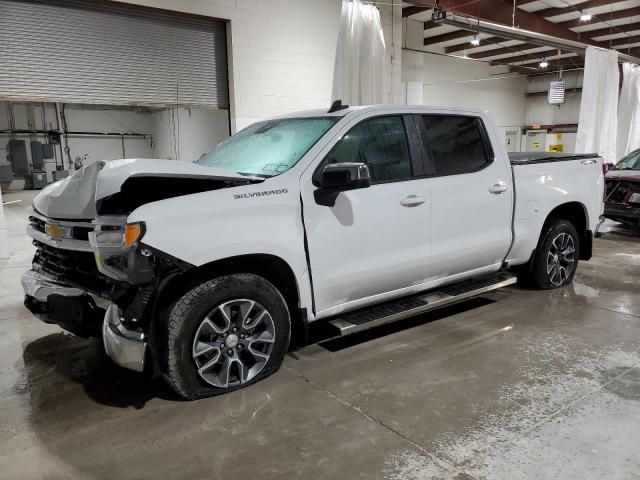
(516,385)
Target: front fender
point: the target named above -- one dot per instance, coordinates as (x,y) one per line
(201,228)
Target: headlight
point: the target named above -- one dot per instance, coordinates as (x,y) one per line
(112,240)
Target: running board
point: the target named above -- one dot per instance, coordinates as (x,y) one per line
(405,307)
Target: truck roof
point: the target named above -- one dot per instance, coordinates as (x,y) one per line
(324,112)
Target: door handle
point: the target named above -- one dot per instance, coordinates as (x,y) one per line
(413,200)
(498,187)
(588,162)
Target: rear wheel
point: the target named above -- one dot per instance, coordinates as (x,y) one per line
(555,260)
(225,334)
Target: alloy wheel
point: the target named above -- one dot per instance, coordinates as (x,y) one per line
(233,343)
(561,259)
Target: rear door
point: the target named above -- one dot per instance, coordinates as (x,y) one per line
(471,195)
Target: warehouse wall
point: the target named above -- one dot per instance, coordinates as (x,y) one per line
(449,81)
(539,110)
(93,119)
(567,113)
(271,74)
(197,131)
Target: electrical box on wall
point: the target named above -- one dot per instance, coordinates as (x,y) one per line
(37,159)
(18,157)
(39,180)
(47,150)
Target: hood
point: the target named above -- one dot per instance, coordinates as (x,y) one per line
(122,185)
(633,175)
(72,197)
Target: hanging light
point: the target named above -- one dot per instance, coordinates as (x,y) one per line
(585,17)
(475,41)
(544,63)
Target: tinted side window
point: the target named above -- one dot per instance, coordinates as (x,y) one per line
(379,142)
(455,143)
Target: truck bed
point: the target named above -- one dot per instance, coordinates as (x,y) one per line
(528,158)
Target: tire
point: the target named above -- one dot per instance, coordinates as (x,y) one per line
(234,328)
(541,273)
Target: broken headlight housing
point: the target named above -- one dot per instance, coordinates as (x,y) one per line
(116,246)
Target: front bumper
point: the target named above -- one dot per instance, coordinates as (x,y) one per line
(71,308)
(125,347)
(627,212)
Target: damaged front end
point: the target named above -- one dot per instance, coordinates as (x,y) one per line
(92,274)
(137,273)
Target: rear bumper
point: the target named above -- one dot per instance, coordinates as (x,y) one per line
(126,347)
(71,308)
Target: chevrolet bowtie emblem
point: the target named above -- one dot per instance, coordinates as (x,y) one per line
(56,231)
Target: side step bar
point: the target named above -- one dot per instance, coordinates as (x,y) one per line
(391,311)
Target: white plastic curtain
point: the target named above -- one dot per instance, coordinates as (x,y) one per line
(597,129)
(4,245)
(629,111)
(359,76)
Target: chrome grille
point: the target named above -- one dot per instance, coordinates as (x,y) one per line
(77,269)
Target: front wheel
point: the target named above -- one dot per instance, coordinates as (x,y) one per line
(555,260)
(225,334)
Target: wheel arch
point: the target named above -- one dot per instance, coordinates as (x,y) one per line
(270,267)
(577,214)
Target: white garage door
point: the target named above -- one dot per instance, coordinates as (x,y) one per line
(102,53)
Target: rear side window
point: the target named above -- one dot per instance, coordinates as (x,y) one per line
(379,142)
(455,143)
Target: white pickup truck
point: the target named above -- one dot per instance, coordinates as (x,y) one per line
(205,272)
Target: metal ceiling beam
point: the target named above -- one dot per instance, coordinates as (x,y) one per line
(447,37)
(630,27)
(496,11)
(531,36)
(522,49)
(602,17)
(408,11)
(528,56)
(552,12)
(504,50)
(601,32)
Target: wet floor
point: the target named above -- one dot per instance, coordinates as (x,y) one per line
(516,384)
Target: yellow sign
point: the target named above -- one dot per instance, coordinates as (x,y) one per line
(559,136)
(56,231)
(556,148)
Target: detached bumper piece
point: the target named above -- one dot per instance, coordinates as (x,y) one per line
(124,346)
(70,308)
(617,212)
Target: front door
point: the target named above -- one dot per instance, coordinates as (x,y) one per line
(373,243)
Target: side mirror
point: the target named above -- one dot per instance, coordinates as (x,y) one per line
(339,177)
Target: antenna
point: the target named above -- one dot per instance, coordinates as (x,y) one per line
(337,105)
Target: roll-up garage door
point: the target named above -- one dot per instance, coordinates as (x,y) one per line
(105,53)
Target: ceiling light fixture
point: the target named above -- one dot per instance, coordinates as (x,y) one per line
(585,17)
(544,63)
(475,41)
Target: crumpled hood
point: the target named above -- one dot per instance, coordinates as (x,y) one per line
(116,172)
(72,197)
(75,197)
